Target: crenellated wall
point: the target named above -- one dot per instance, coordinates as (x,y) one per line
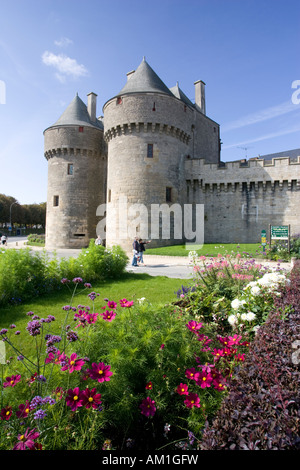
(240,200)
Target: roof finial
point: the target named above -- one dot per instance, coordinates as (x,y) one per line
(144,59)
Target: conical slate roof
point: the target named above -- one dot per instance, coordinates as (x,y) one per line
(76,114)
(143,80)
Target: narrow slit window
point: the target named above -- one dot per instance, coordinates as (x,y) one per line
(169,194)
(150,151)
(55,201)
(70,168)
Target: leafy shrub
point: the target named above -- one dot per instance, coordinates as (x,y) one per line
(25,274)
(261,411)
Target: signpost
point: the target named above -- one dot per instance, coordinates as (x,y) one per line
(264,239)
(280,232)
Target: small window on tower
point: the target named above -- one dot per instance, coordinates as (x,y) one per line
(150,151)
(80,129)
(169,194)
(55,201)
(70,168)
(119,100)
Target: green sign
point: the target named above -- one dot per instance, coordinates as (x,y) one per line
(280,232)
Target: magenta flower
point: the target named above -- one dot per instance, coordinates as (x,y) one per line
(55,358)
(192,400)
(108,315)
(73,363)
(90,398)
(148,407)
(11,381)
(27,440)
(111,304)
(126,303)
(193,325)
(204,379)
(182,389)
(6,413)
(74,398)
(23,410)
(192,374)
(100,372)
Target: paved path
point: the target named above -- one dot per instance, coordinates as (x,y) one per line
(170,266)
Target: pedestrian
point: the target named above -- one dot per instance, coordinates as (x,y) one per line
(136,250)
(98,241)
(4,240)
(142,249)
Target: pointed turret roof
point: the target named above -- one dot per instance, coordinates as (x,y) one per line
(76,114)
(143,80)
(180,95)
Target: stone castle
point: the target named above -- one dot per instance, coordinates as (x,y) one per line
(153,147)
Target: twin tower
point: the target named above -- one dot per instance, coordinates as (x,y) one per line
(133,156)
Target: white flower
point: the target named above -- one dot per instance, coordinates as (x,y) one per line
(235,304)
(250,316)
(232,319)
(141,300)
(255,290)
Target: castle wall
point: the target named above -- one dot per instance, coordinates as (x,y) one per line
(72,199)
(240,201)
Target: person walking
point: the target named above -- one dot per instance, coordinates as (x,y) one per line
(142,249)
(136,250)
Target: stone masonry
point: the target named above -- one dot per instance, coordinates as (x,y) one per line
(155,148)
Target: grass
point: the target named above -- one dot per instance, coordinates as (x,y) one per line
(210,249)
(156,290)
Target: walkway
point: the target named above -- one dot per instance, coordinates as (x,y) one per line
(170,266)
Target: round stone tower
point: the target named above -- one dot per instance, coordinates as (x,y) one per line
(76,154)
(148,133)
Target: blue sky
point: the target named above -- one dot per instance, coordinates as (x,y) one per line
(247,53)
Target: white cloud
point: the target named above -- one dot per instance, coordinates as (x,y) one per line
(260,116)
(63,42)
(64,65)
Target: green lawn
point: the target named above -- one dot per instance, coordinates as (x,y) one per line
(157,289)
(212,249)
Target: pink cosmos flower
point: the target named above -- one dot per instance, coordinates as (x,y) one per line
(193,325)
(148,407)
(126,303)
(218,353)
(204,379)
(111,304)
(73,363)
(11,381)
(6,413)
(182,389)
(74,398)
(192,400)
(23,410)
(27,440)
(192,374)
(149,386)
(108,315)
(100,372)
(55,358)
(90,398)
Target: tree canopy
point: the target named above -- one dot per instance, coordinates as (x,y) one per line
(24,215)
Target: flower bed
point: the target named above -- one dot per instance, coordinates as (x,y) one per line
(128,375)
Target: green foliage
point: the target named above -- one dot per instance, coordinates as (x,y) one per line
(25,274)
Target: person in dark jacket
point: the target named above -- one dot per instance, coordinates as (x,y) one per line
(136,250)
(142,244)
